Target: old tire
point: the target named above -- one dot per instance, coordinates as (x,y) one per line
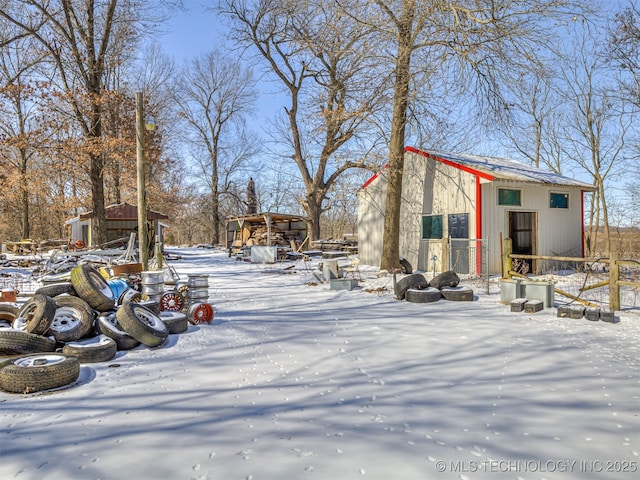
(8,314)
(73,319)
(414,280)
(55,289)
(406,266)
(92,287)
(142,324)
(38,312)
(176,322)
(445,279)
(34,373)
(426,295)
(458,294)
(92,350)
(14,342)
(107,324)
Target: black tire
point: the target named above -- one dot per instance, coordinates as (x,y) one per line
(55,289)
(34,373)
(427,295)
(8,312)
(406,266)
(142,324)
(19,342)
(107,324)
(38,312)
(414,280)
(92,350)
(152,305)
(445,279)
(91,286)
(457,294)
(73,319)
(176,322)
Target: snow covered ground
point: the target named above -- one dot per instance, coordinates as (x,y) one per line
(297,381)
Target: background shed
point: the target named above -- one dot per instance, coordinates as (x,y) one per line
(265,228)
(121,221)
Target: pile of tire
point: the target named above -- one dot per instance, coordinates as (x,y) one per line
(68,323)
(415,288)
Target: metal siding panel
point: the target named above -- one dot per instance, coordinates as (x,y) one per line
(371,207)
(414,183)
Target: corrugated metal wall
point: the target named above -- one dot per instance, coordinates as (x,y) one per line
(431,187)
(559,230)
(372,202)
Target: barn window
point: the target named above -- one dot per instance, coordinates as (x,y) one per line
(558,200)
(509,196)
(431,227)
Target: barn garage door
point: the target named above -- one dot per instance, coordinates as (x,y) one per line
(522,229)
(459,229)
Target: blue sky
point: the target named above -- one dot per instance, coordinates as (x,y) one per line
(192,32)
(195,31)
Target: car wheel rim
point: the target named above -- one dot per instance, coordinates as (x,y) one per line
(39,360)
(66,318)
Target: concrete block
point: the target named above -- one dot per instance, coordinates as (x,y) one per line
(576,312)
(517,305)
(343,284)
(563,312)
(592,314)
(608,316)
(533,306)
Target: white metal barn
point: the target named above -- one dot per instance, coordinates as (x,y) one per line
(473,200)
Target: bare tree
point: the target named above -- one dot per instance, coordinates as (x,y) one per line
(481,42)
(217,94)
(20,126)
(321,58)
(79,38)
(598,125)
(532,121)
(624,50)
(624,53)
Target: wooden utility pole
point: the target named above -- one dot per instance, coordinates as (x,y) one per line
(143,244)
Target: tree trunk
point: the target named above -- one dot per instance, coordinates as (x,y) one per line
(215,215)
(391,233)
(98,223)
(26,227)
(313,208)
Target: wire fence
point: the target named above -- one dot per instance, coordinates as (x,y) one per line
(469,258)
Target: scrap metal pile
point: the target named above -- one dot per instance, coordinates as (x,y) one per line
(90,317)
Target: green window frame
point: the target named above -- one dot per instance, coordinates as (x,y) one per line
(432,227)
(510,196)
(558,200)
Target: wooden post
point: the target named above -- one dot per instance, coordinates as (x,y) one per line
(143,245)
(507,249)
(614,277)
